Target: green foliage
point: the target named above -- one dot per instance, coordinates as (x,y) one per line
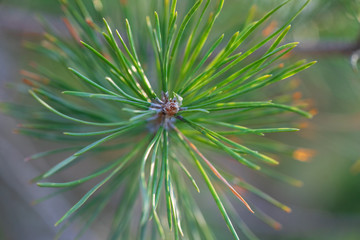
(165,111)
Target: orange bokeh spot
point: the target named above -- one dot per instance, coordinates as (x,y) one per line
(30,75)
(304,125)
(90,23)
(28,82)
(303,154)
(314,111)
(71,30)
(270,28)
(297,96)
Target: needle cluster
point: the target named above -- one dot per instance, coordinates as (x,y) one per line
(108,91)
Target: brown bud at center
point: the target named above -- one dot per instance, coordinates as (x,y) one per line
(171,108)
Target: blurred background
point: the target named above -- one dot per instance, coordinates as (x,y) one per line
(327,206)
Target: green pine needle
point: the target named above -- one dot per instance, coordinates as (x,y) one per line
(155,87)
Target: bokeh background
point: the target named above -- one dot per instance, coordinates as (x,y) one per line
(327,206)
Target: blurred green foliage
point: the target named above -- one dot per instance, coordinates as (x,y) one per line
(44,6)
